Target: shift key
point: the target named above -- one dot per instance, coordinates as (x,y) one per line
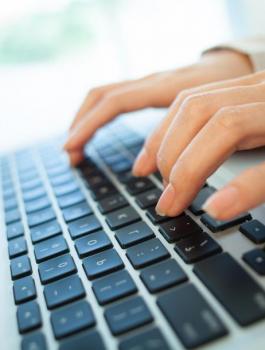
(242,297)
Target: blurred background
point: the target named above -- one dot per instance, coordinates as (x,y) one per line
(53,52)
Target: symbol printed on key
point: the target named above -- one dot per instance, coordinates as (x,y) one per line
(101,262)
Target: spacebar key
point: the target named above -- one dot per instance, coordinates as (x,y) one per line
(243,298)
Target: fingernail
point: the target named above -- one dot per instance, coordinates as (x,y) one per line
(221,201)
(166,200)
(141,163)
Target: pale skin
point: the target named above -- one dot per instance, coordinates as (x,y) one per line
(217,107)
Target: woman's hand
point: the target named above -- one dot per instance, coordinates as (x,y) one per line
(104,103)
(204,127)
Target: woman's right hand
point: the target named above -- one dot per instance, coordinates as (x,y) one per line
(104,103)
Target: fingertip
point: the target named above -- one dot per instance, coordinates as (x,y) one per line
(143,165)
(75,157)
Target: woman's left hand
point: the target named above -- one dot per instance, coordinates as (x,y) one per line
(208,124)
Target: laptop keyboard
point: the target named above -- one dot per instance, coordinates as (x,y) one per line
(40,192)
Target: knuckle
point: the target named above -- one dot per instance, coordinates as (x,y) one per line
(183,95)
(195,104)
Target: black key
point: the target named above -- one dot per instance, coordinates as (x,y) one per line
(37,204)
(154,217)
(125,176)
(128,315)
(103,191)
(17,247)
(14,230)
(115,286)
(102,263)
(12,216)
(72,319)
(149,198)
(256,260)
(10,204)
(133,234)
(64,291)
(44,231)
(243,298)
(147,253)
(195,323)
(28,317)
(41,216)
(149,340)
(217,225)
(122,217)
(178,228)
(50,248)
(35,341)
(61,179)
(92,243)
(56,268)
(81,342)
(197,247)
(20,267)
(34,194)
(76,211)
(139,185)
(200,199)
(24,290)
(95,179)
(70,199)
(162,275)
(254,230)
(31,184)
(80,227)
(64,189)
(111,203)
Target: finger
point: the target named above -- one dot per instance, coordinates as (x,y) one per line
(226,132)
(75,157)
(145,163)
(194,113)
(245,192)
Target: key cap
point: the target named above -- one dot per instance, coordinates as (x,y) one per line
(115,286)
(133,234)
(147,253)
(147,340)
(35,341)
(50,248)
(96,179)
(37,204)
(80,342)
(127,315)
(14,230)
(122,217)
(139,185)
(76,211)
(92,243)
(103,191)
(102,263)
(24,290)
(72,319)
(28,317)
(44,231)
(154,217)
(70,199)
(56,268)
(254,230)
(149,198)
(41,216)
(34,194)
(178,228)
(112,203)
(80,227)
(114,158)
(20,267)
(12,216)
(200,199)
(233,287)
(195,323)
(8,193)
(162,275)
(125,176)
(10,204)
(31,184)
(122,166)
(17,247)
(216,225)
(61,179)
(63,291)
(197,247)
(256,260)
(64,189)
(58,170)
